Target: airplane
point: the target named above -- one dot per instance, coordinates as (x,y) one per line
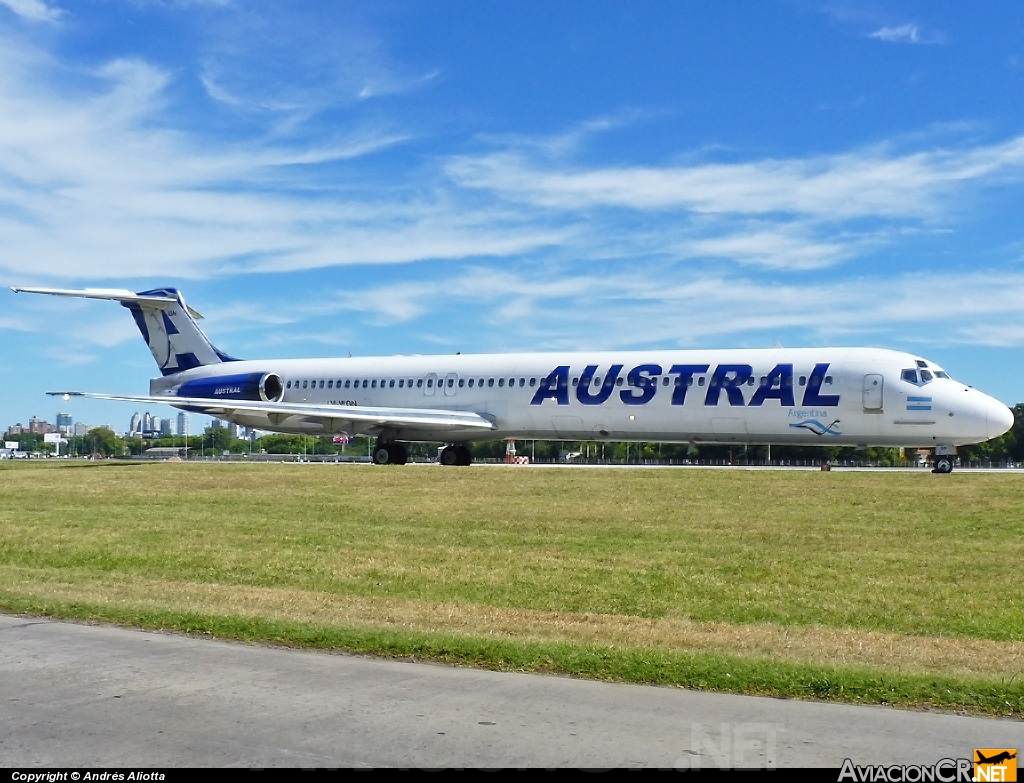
(803,396)
(996,759)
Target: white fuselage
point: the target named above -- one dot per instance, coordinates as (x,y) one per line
(821,396)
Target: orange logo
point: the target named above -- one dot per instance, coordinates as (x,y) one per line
(995,764)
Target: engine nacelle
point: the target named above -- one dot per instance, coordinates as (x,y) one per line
(260,387)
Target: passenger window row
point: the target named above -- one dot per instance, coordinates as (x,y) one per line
(419,383)
(403,383)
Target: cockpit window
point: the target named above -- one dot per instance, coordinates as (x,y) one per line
(942,374)
(920,378)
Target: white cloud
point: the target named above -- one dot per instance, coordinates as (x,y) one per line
(578,310)
(907,33)
(99,181)
(777,248)
(33,10)
(863,183)
(92,327)
(289,60)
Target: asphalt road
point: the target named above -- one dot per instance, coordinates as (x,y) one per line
(86,696)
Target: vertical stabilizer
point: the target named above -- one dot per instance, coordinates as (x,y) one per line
(168,325)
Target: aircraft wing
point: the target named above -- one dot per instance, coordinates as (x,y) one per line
(333,417)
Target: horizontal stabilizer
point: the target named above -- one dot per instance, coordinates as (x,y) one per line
(112,294)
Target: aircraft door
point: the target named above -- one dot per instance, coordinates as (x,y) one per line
(429,383)
(450,380)
(873,393)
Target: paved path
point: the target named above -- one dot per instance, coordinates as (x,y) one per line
(82,696)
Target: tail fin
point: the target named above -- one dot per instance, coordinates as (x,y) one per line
(167,324)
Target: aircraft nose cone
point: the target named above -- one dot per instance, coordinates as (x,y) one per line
(1000,419)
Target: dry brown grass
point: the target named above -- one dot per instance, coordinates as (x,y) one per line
(815,645)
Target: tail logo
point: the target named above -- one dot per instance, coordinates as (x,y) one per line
(175,340)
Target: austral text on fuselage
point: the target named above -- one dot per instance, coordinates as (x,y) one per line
(728,380)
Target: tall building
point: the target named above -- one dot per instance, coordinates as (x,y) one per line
(39,427)
(136,424)
(147,422)
(65,423)
(182,423)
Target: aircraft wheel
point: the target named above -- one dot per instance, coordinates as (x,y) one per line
(465,455)
(399,454)
(382,455)
(449,456)
(944,465)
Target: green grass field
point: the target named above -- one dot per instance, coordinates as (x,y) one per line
(882,587)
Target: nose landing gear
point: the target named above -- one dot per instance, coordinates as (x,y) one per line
(942,462)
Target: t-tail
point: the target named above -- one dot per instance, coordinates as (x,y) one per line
(168,325)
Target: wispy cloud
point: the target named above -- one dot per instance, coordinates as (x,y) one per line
(870,182)
(100,181)
(92,327)
(33,10)
(576,309)
(775,248)
(103,184)
(87,188)
(101,178)
(908,33)
(286,60)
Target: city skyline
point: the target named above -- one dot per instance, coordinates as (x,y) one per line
(139,423)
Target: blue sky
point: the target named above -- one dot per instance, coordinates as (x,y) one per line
(324,178)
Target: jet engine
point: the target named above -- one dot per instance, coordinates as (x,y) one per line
(260,387)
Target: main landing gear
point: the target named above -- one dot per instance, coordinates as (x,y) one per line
(458,454)
(390,454)
(394,453)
